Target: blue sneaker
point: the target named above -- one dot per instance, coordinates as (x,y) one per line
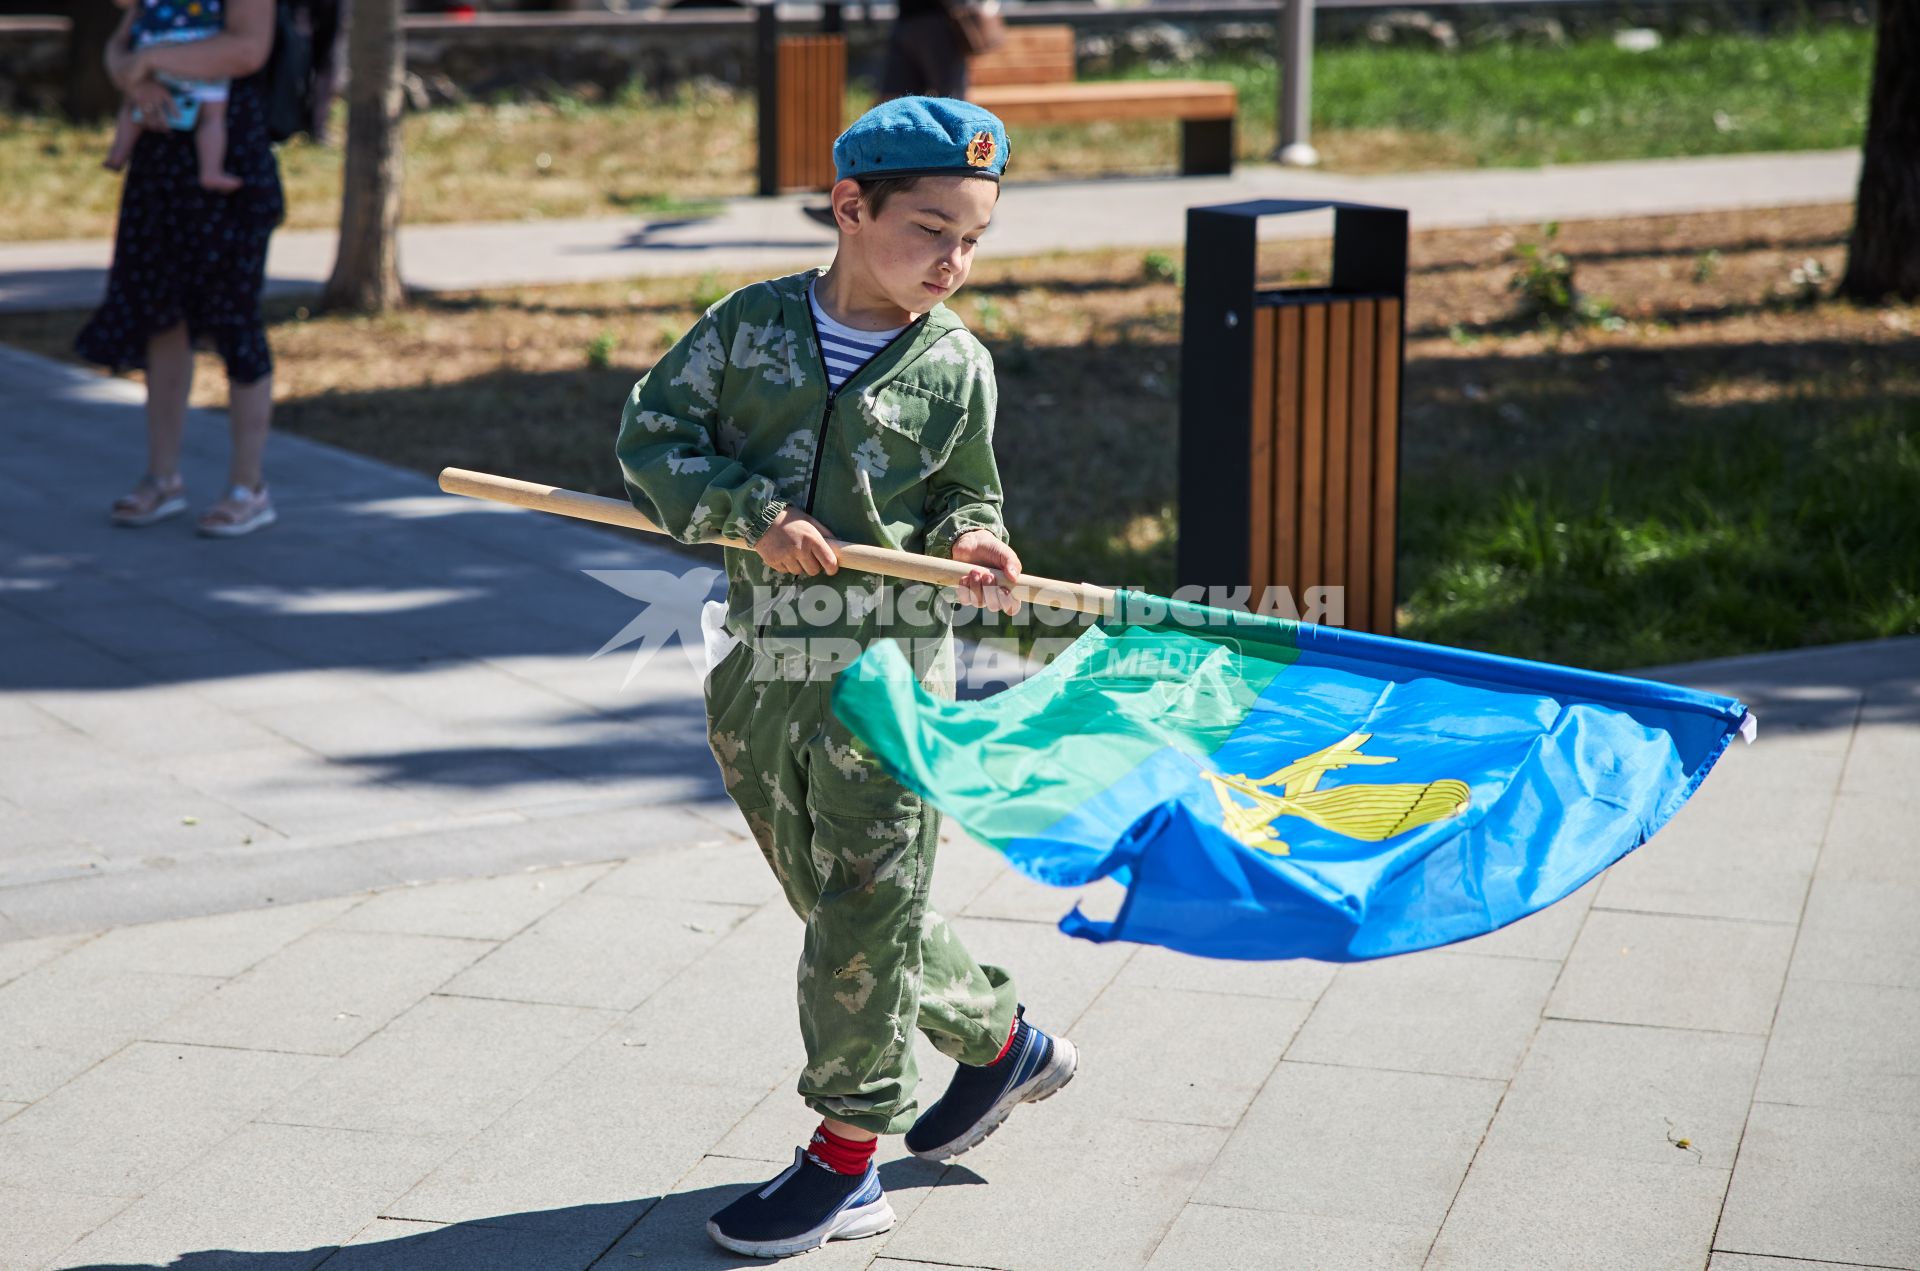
(979,1099)
(802,1209)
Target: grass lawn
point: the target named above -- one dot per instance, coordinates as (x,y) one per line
(1375,109)
(1735,467)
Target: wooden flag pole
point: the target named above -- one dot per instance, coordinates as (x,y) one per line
(1080,597)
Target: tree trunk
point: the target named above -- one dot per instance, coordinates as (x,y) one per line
(366,273)
(88,93)
(1883,260)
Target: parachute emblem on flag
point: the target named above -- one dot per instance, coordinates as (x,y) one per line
(1371,811)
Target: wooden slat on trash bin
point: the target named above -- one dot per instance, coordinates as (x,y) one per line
(1260,463)
(1313,448)
(1286,449)
(1386,442)
(1360,461)
(813,88)
(1333,543)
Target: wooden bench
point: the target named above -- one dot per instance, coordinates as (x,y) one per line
(1030,80)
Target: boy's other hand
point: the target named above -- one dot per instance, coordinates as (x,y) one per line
(982,587)
(797,544)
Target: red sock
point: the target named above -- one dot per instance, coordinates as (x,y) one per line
(842,1156)
(1006,1045)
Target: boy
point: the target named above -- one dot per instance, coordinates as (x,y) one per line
(850,403)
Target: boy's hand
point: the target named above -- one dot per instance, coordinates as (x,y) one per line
(981,587)
(797,544)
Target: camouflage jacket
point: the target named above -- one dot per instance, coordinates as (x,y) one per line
(735,423)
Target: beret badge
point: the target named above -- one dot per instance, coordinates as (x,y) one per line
(980,150)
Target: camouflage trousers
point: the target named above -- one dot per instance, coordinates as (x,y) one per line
(853,850)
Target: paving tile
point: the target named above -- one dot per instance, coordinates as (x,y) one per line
(605,951)
(498,843)
(56,1022)
(587,1152)
(1546,934)
(1530,1212)
(1056,977)
(449,1067)
(1674,972)
(1720,863)
(17,957)
(723,868)
(147,723)
(1826,1184)
(294,1190)
(263,680)
(1453,1014)
(1621,1092)
(1854,1046)
(1110,1188)
(164,889)
(459,691)
(21,718)
(390,1245)
(298,793)
(472,909)
(1225,1239)
(963,868)
(1871,839)
(781,1120)
(1299,979)
(126,1125)
(1886,745)
(9,1110)
(344,640)
(1210,1056)
(40,1223)
(67,665)
(161,628)
(223,945)
(352,726)
(1748,1262)
(60,770)
(1860,932)
(324,994)
(1353,1143)
(676,1035)
(1014,896)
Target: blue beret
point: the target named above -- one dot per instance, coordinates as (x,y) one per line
(922,137)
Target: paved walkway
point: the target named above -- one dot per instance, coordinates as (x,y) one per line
(350,916)
(771,235)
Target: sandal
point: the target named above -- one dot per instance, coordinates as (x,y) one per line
(242,512)
(153,499)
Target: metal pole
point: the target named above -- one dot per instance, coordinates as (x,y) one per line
(1296,85)
(767,75)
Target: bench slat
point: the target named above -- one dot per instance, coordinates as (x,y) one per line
(1031,55)
(1090,102)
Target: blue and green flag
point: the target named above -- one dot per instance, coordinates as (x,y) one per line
(1270,789)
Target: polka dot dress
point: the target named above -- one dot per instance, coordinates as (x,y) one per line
(185,252)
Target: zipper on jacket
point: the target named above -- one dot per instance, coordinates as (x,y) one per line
(833,395)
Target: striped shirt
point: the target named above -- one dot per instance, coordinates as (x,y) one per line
(842,348)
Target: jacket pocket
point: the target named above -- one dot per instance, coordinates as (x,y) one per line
(895,439)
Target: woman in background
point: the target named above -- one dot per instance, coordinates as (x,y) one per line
(188,266)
